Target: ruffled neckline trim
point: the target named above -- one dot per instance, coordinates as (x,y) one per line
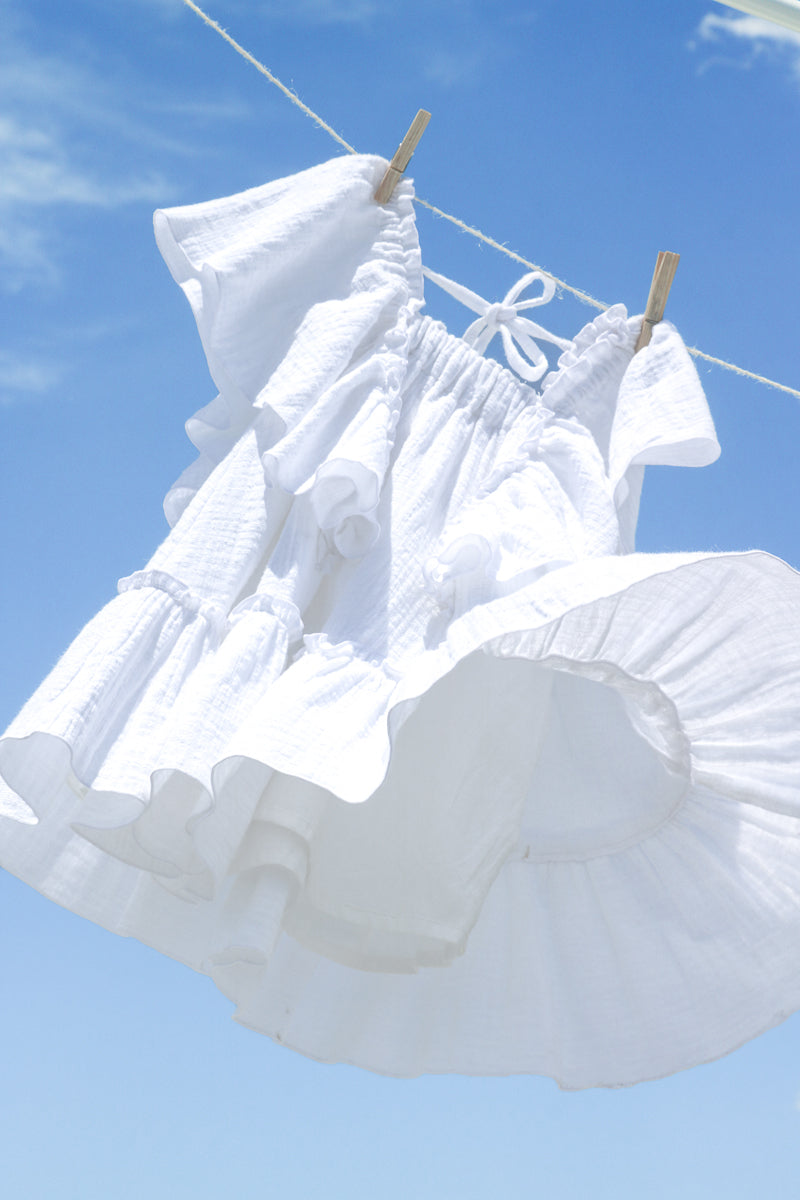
(612,329)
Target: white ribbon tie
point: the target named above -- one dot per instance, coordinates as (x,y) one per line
(517,332)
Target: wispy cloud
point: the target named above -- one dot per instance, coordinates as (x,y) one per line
(37,171)
(24,255)
(206,110)
(22,378)
(71,139)
(319,12)
(754,35)
(54,114)
(749,28)
(448,68)
(168,10)
(323,12)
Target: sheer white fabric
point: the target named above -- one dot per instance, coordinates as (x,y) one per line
(395,736)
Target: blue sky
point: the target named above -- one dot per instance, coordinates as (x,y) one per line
(585,137)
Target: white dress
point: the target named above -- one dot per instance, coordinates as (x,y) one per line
(395,737)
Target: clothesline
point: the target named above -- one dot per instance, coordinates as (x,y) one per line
(584,297)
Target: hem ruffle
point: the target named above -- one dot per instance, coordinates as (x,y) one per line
(230,866)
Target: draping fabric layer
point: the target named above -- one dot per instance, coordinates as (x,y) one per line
(396,737)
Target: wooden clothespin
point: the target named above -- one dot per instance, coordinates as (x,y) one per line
(666,266)
(402,157)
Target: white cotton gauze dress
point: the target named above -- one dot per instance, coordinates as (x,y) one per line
(395,737)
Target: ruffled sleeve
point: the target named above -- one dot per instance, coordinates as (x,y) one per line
(302,291)
(641,409)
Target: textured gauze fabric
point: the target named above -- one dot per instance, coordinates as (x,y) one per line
(396,737)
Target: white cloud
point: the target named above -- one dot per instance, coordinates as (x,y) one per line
(169,10)
(206,110)
(749,28)
(324,12)
(755,34)
(70,139)
(37,171)
(448,68)
(340,11)
(21,378)
(24,256)
(60,126)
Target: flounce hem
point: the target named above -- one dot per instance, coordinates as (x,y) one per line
(529,624)
(597,974)
(241,849)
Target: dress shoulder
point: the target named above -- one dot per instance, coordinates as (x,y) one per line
(293,286)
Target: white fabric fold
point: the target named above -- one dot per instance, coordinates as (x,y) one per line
(395,737)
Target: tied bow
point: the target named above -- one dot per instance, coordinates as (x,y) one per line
(504,318)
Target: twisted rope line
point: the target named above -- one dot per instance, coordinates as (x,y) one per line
(584,297)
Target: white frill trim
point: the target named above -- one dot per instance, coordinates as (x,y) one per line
(612,327)
(227,843)
(306,450)
(578,362)
(214,614)
(603,973)
(667,949)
